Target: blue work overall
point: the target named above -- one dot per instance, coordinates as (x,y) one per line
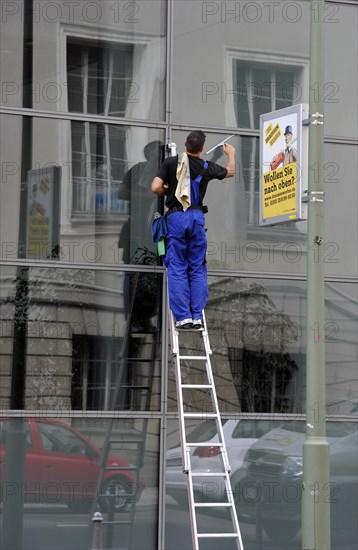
(185,258)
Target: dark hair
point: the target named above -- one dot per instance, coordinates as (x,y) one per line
(153,150)
(195,141)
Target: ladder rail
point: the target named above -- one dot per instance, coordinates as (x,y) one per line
(215,403)
(179,392)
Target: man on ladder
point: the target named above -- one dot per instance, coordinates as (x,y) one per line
(184,181)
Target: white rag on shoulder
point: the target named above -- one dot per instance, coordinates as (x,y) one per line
(182,192)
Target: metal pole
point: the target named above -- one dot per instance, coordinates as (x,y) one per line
(15,448)
(315,489)
(97,520)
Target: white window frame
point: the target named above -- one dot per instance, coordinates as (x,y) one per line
(269,59)
(85,32)
(278,60)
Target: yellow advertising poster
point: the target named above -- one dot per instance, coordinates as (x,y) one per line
(279,191)
(280,166)
(39,233)
(42,212)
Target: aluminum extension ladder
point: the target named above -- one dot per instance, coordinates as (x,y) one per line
(194,506)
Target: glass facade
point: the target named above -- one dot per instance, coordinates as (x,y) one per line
(92,94)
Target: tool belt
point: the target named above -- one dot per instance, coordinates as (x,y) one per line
(192,207)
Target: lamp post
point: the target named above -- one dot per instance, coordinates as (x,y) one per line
(12,537)
(315,489)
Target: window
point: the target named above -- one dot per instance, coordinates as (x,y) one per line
(99,76)
(260,83)
(263,380)
(261,89)
(95,366)
(98,168)
(58,439)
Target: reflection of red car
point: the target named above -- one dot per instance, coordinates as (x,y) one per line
(62,466)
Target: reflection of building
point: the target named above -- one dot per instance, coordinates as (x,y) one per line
(105,80)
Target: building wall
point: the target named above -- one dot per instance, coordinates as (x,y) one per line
(83,306)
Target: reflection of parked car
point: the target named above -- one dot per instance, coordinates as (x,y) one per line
(239,436)
(62,466)
(270,481)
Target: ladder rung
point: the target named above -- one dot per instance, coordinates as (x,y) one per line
(136,441)
(205,444)
(193,357)
(208,474)
(183,330)
(218,535)
(200,415)
(197,386)
(135,387)
(139,360)
(122,468)
(211,504)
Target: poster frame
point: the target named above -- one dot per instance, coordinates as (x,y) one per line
(299,114)
(34,177)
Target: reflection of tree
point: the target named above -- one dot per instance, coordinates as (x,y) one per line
(145,288)
(263,380)
(252,367)
(255,336)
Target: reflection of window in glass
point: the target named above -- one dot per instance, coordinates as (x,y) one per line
(248,429)
(261,89)
(96,363)
(99,82)
(258,90)
(98,168)
(58,439)
(260,83)
(250,159)
(249,162)
(99,77)
(263,380)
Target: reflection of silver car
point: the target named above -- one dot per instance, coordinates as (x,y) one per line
(270,481)
(239,436)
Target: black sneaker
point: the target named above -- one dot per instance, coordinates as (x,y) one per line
(197,324)
(184,324)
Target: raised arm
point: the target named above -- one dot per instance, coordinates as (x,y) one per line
(229,151)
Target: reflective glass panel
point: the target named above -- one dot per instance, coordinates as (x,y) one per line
(65,481)
(240,75)
(102,58)
(80,339)
(82,195)
(257,331)
(236,241)
(266,479)
(256,60)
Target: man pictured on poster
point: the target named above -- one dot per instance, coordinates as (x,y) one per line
(289,153)
(36,208)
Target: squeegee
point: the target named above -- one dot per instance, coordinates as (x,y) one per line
(219,144)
